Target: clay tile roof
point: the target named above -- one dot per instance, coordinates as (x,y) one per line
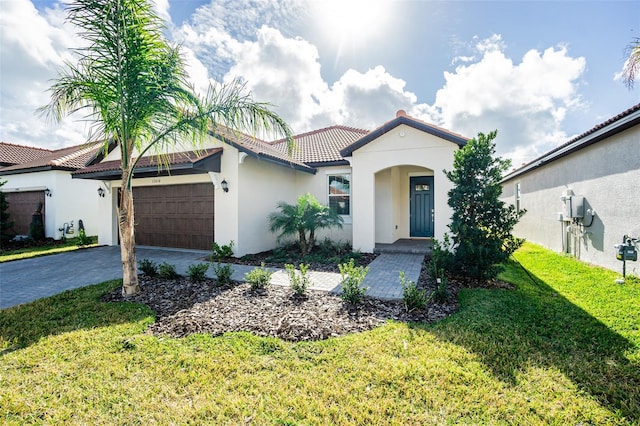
(71,158)
(321,146)
(11,154)
(259,148)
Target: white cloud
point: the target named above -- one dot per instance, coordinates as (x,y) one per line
(34,45)
(527,102)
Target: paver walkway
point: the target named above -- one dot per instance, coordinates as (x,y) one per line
(26,280)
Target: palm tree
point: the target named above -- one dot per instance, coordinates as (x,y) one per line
(306,215)
(132,85)
(632,65)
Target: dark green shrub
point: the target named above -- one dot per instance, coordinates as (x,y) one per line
(412,296)
(259,278)
(441,293)
(299,281)
(6,225)
(36,228)
(148,267)
(223,272)
(167,271)
(222,251)
(481,224)
(197,272)
(82,239)
(352,278)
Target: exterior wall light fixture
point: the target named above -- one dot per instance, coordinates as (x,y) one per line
(100,192)
(47,192)
(224,185)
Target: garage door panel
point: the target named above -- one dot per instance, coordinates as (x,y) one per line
(22,205)
(175,216)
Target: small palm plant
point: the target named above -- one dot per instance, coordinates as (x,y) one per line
(307,215)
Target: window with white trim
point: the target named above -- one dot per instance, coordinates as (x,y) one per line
(340,193)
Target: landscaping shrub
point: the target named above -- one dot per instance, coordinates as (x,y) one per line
(197,272)
(6,225)
(259,278)
(352,277)
(148,267)
(222,251)
(412,296)
(223,272)
(481,224)
(82,239)
(441,293)
(306,216)
(167,271)
(299,281)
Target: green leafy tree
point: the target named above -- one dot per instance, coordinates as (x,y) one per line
(131,83)
(481,224)
(306,216)
(632,65)
(6,225)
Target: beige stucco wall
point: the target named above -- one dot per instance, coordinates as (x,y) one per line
(71,199)
(607,174)
(406,152)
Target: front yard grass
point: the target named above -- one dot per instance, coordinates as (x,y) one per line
(45,249)
(562,348)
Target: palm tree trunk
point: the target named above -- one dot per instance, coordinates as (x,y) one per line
(127,239)
(303,241)
(312,241)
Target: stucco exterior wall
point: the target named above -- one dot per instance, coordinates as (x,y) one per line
(70,200)
(261,185)
(607,174)
(318,186)
(417,152)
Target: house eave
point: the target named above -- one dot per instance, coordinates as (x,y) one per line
(348,151)
(603,133)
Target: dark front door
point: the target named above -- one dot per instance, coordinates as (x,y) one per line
(421,210)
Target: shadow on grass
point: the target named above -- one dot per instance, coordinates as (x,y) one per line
(511,331)
(24,325)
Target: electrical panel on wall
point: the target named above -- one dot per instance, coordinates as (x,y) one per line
(573,206)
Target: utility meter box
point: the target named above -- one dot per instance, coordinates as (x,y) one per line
(574,206)
(626,252)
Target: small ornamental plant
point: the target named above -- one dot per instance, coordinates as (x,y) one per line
(167,271)
(299,281)
(148,267)
(259,278)
(198,272)
(352,278)
(223,272)
(412,296)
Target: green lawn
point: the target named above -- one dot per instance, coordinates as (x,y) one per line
(46,249)
(562,348)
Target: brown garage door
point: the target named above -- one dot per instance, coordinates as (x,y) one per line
(174,216)
(21,208)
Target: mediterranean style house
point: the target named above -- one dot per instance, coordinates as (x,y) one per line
(387,184)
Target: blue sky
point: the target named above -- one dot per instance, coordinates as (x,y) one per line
(540,72)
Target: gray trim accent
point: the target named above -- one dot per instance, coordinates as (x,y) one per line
(205,165)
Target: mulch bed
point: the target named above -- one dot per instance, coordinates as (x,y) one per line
(183,307)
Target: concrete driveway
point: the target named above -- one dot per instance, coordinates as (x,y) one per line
(26,280)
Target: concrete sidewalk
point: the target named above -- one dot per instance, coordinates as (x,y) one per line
(26,280)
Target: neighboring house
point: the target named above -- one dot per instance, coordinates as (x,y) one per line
(40,177)
(387,184)
(584,196)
